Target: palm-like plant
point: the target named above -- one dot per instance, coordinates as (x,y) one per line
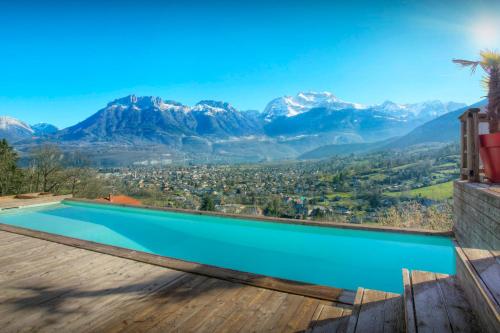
(490,63)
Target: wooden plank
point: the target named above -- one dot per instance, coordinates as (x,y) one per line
(130,310)
(331,319)
(353,320)
(459,311)
(52,291)
(172,311)
(463,145)
(143,315)
(477,294)
(302,318)
(222,311)
(475,147)
(470,148)
(264,315)
(8,203)
(197,316)
(38,263)
(279,321)
(430,309)
(371,316)
(29,297)
(409,306)
(488,269)
(394,319)
(129,290)
(77,309)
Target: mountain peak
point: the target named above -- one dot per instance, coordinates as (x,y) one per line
(141,101)
(13,129)
(290,106)
(144,102)
(213,106)
(390,106)
(315,97)
(125,101)
(6,122)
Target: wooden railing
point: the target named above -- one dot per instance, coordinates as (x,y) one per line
(469,142)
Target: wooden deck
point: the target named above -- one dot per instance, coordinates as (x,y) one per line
(8,202)
(46,286)
(436,303)
(376,312)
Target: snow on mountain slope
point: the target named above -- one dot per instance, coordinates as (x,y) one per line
(303,102)
(152,119)
(7,122)
(289,106)
(13,129)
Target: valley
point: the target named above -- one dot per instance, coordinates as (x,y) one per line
(353,189)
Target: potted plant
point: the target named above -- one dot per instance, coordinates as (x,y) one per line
(489,143)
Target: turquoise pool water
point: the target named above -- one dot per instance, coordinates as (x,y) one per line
(343,258)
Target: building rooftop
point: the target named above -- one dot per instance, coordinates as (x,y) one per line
(120,199)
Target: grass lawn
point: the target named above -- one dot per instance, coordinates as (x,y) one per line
(434,192)
(405,166)
(339,194)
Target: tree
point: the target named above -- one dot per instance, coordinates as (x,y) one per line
(274,207)
(207,203)
(490,63)
(77,172)
(10,174)
(46,167)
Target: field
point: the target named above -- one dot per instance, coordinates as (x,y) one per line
(438,192)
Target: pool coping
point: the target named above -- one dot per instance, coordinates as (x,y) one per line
(338,295)
(276,219)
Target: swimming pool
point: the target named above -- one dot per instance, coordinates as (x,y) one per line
(335,257)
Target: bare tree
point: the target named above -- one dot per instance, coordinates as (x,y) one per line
(47,164)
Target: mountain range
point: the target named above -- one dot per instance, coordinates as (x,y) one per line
(14,130)
(141,129)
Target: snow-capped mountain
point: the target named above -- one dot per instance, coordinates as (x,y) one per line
(149,118)
(303,102)
(13,129)
(289,106)
(422,111)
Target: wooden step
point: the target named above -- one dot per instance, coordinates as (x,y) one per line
(436,303)
(376,311)
(478,272)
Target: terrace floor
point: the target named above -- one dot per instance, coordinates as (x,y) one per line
(8,202)
(47,286)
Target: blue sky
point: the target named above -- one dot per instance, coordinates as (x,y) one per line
(60,63)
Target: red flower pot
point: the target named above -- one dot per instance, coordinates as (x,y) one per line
(490,155)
